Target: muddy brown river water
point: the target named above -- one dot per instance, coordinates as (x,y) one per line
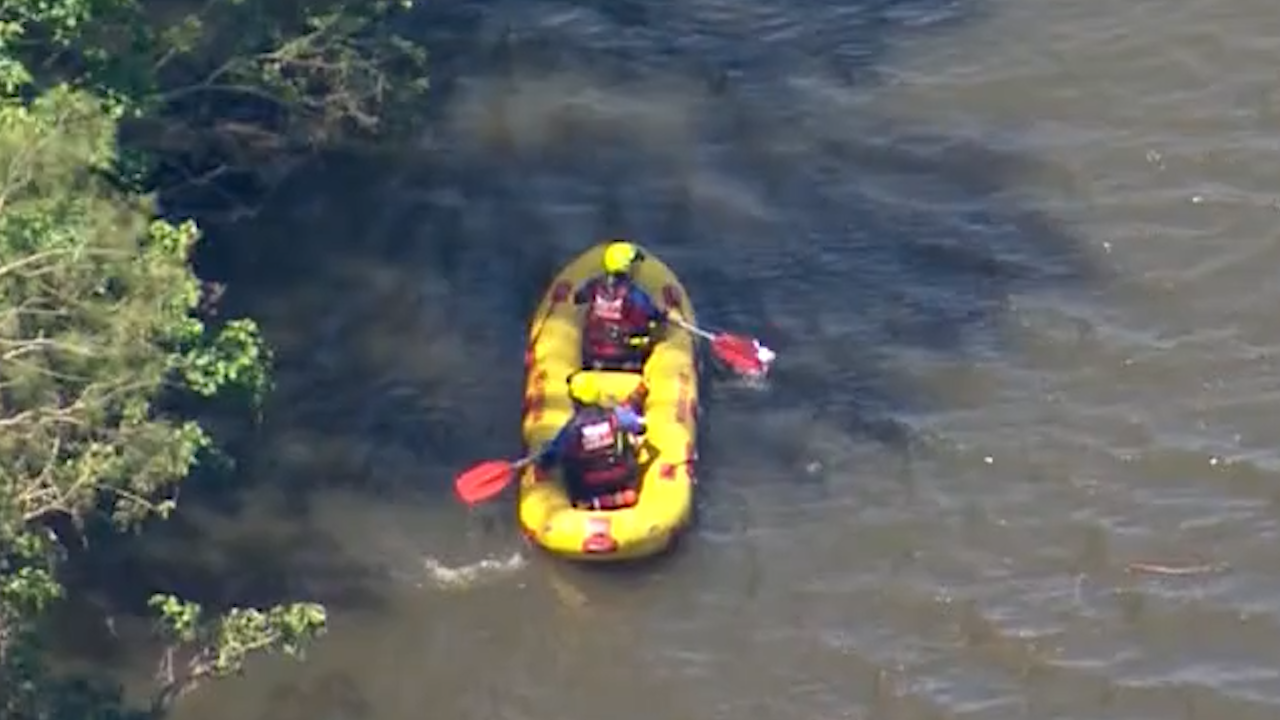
(1019,259)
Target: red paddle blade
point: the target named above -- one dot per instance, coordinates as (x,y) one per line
(742,354)
(484,481)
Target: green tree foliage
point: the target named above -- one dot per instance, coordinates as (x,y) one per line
(256,87)
(96,301)
(99,321)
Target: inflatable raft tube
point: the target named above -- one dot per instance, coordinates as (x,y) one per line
(663,504)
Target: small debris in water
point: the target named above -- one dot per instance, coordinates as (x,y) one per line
(988,460)
(813,468)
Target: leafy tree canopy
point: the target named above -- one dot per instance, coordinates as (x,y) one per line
(100,326)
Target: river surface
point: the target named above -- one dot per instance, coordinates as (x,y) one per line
(1019,259)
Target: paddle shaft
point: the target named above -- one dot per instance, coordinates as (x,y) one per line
(691,327)
(527,460)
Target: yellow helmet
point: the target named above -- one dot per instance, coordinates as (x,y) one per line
(583,389)
(619,256)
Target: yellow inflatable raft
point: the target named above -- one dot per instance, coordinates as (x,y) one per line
(664,502)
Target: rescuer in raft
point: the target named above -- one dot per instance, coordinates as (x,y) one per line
(621,317)
(596,449)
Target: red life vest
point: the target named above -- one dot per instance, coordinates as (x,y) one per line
(598,451)
(612,320)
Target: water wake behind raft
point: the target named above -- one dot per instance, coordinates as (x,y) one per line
(468,575)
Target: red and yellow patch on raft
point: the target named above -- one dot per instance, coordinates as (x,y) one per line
(663,505)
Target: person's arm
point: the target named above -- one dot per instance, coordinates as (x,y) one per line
(646,305)
(551,452)
(629,420)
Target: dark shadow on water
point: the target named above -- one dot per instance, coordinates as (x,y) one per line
(868,250)
(257,568)
(739,142)
(199,557)
(929,280)
(861,247)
